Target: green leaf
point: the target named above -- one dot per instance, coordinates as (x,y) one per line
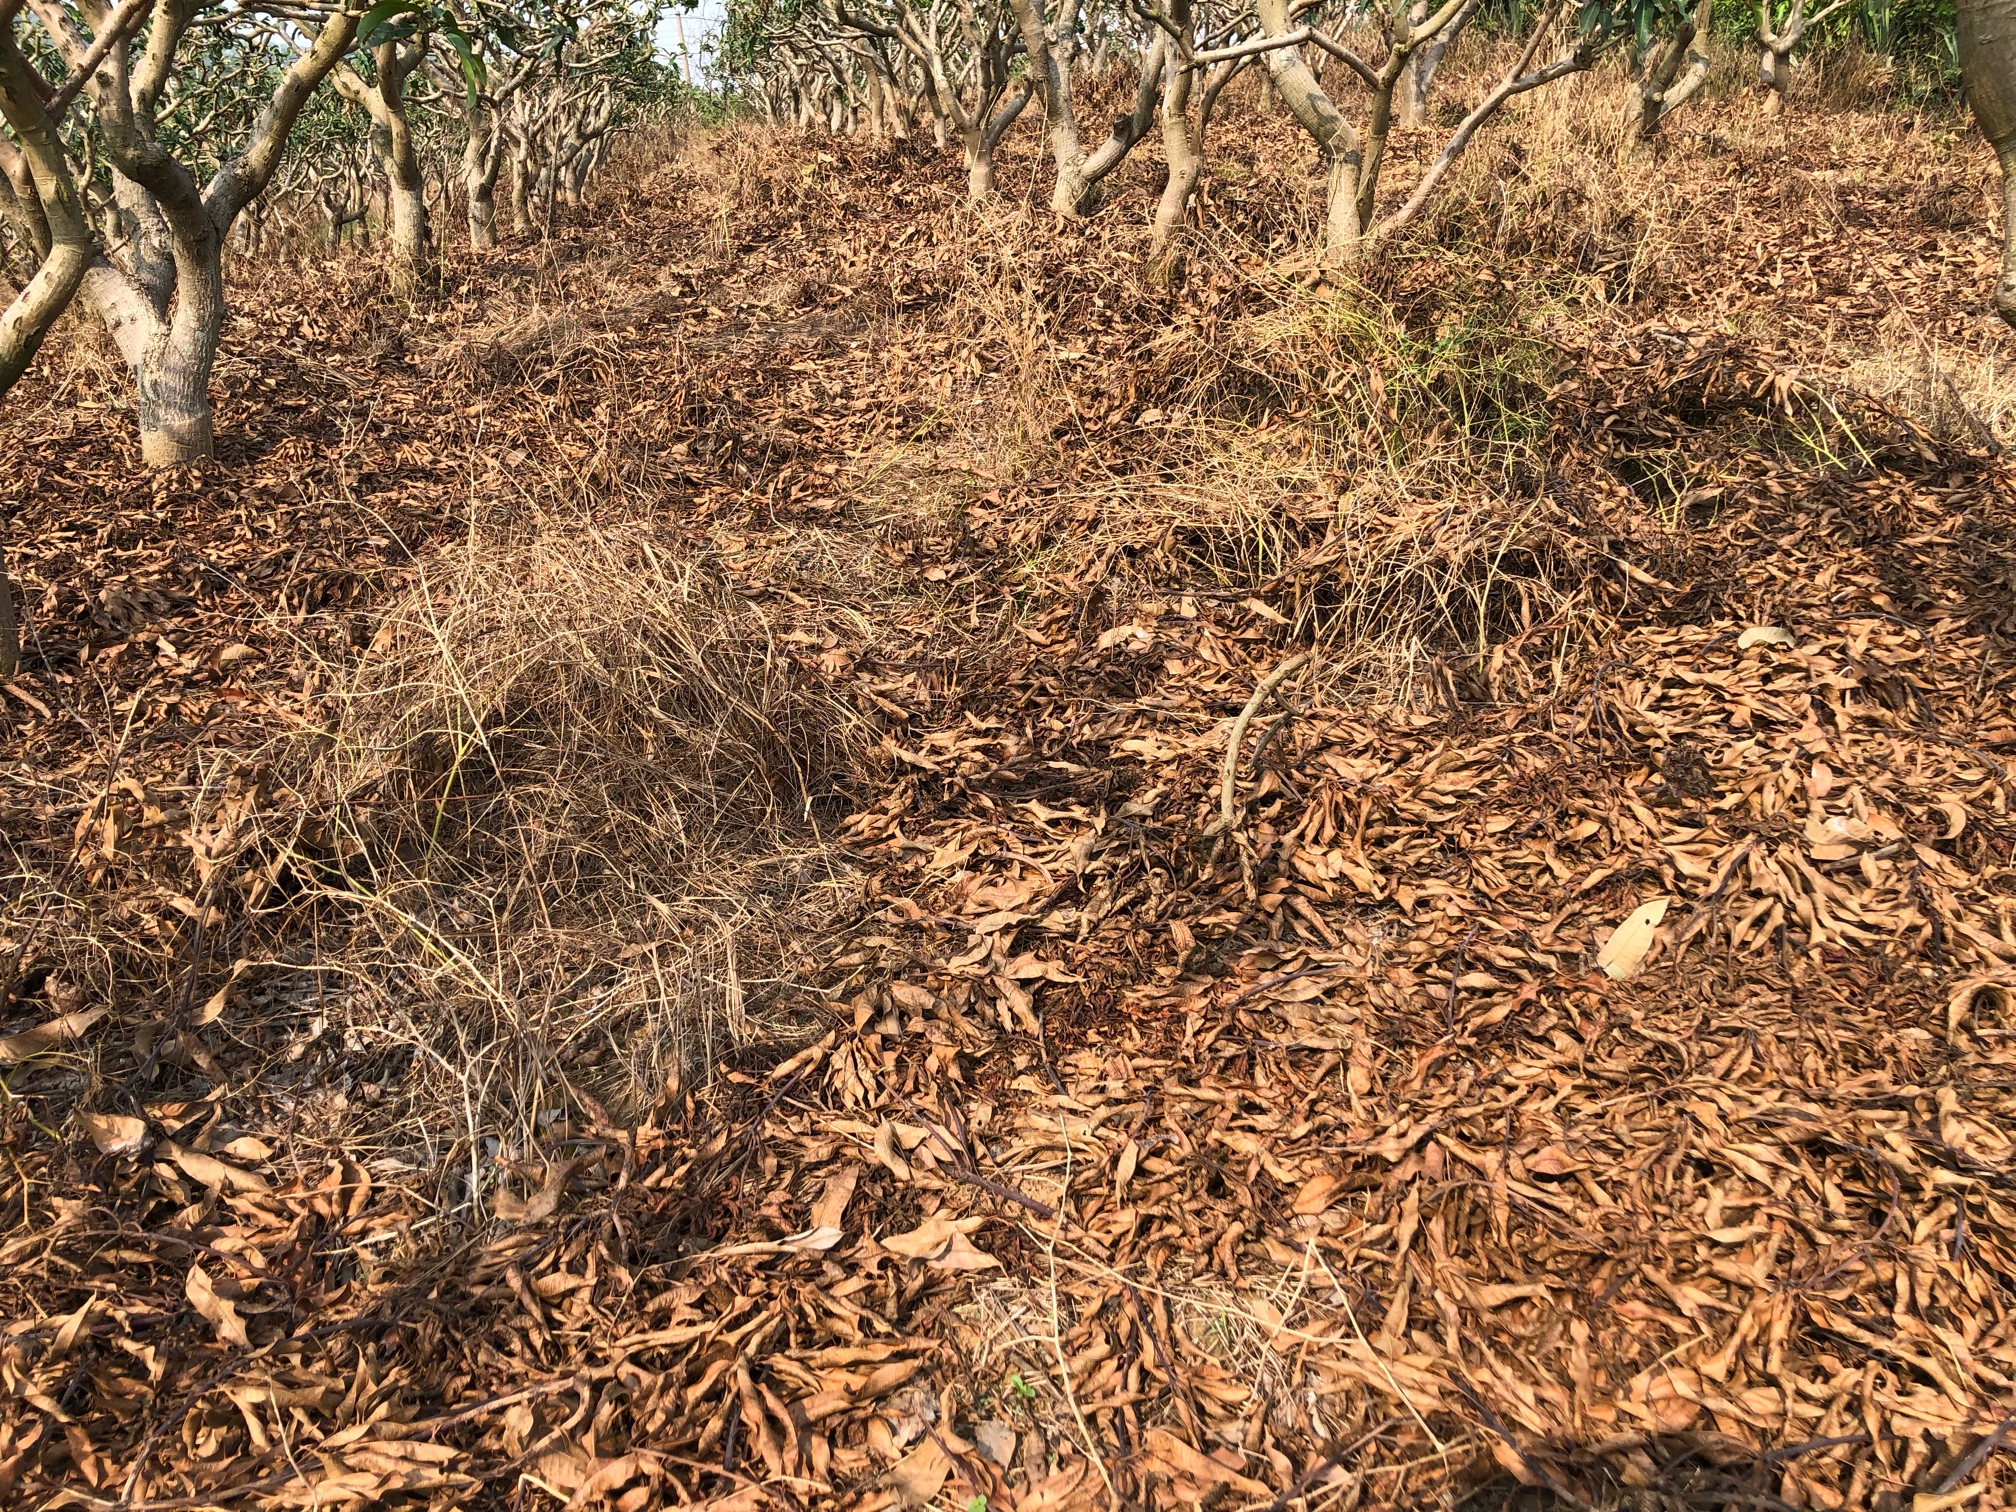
(473,73)
(377,16)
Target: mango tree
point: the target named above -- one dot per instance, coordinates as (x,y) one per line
(1779,33)
(1355,152)
(162,295)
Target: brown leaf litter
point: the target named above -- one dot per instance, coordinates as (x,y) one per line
(1584,1079)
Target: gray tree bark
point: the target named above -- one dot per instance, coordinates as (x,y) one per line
(1674,73)
(1182,152)
(408,244)
(1776,42)
(1079,173)
(1987,37)
(1411,98)
(39,199)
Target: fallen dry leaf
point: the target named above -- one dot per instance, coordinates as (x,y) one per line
(1625,950)
(115,1133)
(542,1202)
(918,1476)
(941,1243)
(32,1042)
(220,1311)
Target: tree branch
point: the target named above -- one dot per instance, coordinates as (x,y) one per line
(1576,62)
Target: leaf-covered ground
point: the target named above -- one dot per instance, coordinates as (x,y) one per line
(1580,1074)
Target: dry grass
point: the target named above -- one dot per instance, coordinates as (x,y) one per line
(567,819)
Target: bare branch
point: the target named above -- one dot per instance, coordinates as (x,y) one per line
(1576,62)
(1348,58)
(124,23)
(1251,48)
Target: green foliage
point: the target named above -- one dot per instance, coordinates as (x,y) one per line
(1635,22)
(1908,30)
(745,38)
(1912,34)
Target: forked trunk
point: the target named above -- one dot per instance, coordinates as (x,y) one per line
(1410,98)
(980,136)
(165,310)
(46,214)
(168,337)
(1344,151)
(1987,38)
(1079,173)
(384,100)
(1675,73)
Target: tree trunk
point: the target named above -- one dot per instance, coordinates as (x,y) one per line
(878,110)
(981,135)
(979,163)
(406,204)
(1771,69)
(567,181)
(391,138)
(1054,89)
(170,349)
(1344,152)
(1079,173)
(519,188)
(166,314)
(1987,38)
(479,187)
(1343,229)
(1411,96)
(175,416)
(1180,149)
(45,211)
(1664,87)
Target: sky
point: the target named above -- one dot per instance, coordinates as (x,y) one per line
(700,24)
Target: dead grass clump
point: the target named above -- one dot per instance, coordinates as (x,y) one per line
(1369,455)
(1844,77)
(567,813)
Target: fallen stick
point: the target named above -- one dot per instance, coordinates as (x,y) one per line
(1229,781)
